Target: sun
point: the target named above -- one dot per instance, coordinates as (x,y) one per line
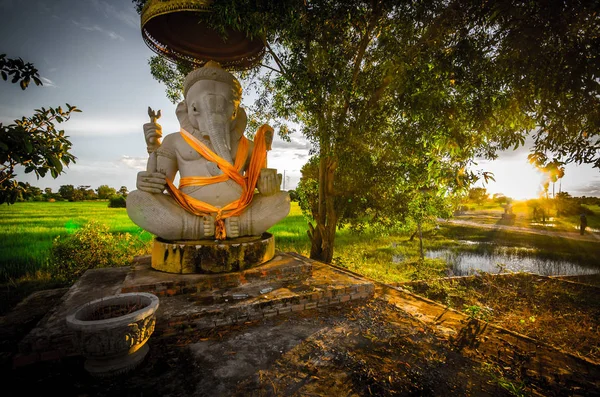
(516,179)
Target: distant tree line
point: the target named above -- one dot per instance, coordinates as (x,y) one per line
(560,204)
(72,193)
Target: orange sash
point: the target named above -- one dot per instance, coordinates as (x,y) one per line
(247,182)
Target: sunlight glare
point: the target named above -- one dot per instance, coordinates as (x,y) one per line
(516,179)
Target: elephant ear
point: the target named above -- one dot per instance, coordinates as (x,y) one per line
(182,115)
(238,125)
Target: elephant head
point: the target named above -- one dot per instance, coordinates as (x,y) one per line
(211,106)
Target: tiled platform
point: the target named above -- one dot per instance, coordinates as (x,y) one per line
(287,283)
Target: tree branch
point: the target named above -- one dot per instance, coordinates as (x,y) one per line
(277,61)
(273,69)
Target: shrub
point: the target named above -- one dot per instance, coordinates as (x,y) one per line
(92,246)
(117,202)
(293,195)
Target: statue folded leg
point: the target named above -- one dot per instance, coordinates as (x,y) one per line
(160,215)
(264,212)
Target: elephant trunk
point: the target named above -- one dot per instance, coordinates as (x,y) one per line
(218,125)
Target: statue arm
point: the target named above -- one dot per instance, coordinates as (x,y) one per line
(162,164)
(166,165)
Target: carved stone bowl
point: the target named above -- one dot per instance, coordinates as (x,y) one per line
(111,332)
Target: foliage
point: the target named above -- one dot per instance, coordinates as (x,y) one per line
(20,71)
(105,192)
(117,201)
(478,195)
(90,247)
(569,206)
(67,192)
(554,170)
(171,75)
(293,195)
(477,312)
(33,142)
(139,5)
(397,97)
(561,313)
(500,199)
(28,230)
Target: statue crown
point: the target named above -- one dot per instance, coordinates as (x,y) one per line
(213,71)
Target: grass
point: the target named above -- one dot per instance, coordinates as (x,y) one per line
(27,231)
(491,213)
(560,313)
(386,258)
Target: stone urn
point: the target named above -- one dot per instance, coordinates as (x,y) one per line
(111,332)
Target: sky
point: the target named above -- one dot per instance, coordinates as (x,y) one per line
(90,54)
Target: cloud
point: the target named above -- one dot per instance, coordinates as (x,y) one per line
(297,142)
(301,156)
(589,187)
(96,28)
(48,83)
(136,163)
(95,126)
(127,16)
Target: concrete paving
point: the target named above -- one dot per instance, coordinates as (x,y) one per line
(386,341)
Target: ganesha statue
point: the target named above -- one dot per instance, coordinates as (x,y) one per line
(226,190)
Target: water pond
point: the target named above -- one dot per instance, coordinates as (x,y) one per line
(499,260)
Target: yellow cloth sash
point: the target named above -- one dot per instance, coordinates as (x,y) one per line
(247,182)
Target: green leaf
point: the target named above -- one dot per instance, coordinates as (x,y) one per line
(24,83)
(56,163)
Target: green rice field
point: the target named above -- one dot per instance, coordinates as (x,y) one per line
(27,231)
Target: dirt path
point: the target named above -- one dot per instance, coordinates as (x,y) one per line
(589,236)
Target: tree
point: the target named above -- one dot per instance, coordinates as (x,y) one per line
(123,191)
(554,171)
(478,195)
(33,142)
(30,193)
(425,207)
(86,193)
(105,192)
(400,96)
(50,195)
(67,192)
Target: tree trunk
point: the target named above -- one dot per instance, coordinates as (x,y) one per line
(412,236)
(420,240)
(322,236)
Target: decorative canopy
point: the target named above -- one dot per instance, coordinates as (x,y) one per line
(172,28)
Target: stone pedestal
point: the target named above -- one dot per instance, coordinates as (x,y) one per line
(212,256)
